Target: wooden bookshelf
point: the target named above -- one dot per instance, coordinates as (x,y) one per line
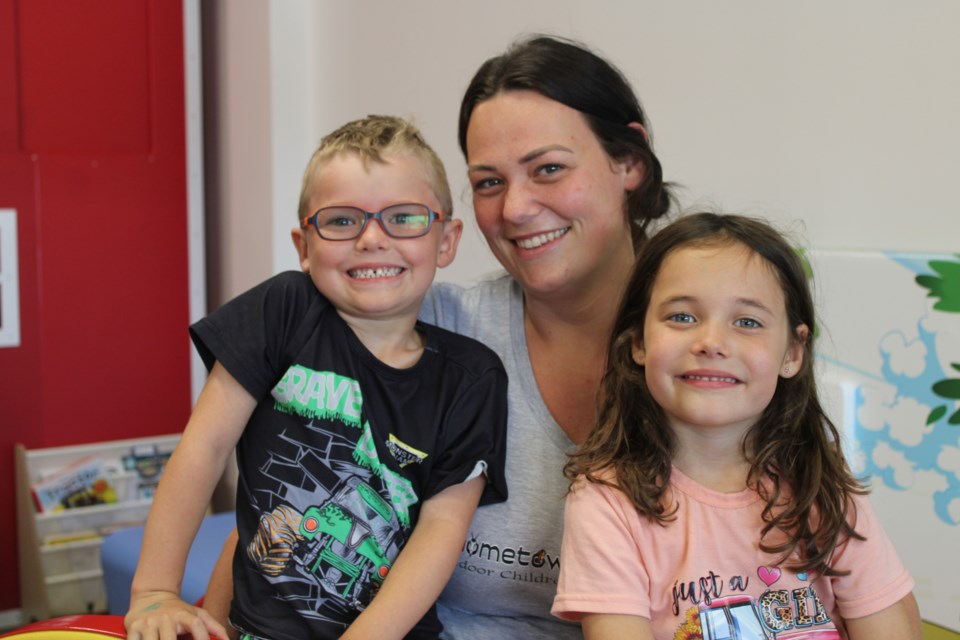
(60,572)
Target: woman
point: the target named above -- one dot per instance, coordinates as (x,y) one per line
(564,185)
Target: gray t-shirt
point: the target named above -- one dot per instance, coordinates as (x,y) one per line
(505,580)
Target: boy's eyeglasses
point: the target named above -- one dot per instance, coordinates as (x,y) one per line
(398,221)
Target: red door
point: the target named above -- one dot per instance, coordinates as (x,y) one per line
(93,160)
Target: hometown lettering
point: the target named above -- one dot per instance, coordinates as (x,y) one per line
(535,566)
(508,555)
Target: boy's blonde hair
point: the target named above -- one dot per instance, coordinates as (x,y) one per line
(371,138)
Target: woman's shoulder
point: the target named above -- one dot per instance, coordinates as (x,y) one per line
(495,283)
(452,305)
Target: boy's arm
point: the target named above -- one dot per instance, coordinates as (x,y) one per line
(424,565)
(156,611)
(602,626)
(899,621)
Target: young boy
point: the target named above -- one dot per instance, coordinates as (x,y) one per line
(365,439)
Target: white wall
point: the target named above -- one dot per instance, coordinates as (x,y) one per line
(841,115)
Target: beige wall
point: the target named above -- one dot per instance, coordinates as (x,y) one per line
(237,135)
(837,120)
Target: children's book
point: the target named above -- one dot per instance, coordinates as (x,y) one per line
(83,483)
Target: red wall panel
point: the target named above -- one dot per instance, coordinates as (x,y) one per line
(9,94)
(92,156)
(85,75)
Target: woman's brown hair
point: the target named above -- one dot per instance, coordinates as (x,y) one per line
(570,73)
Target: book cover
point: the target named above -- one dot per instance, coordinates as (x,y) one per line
(80,484)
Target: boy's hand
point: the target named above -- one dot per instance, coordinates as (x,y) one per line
(161,615)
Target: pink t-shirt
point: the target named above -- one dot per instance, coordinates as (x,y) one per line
(706,568)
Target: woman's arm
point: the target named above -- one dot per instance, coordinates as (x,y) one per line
(899,621)
(156,610)
(424,565)
(602,626)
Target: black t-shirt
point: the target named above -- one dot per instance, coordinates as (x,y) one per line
(341,451)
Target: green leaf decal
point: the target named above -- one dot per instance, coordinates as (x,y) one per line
(955,418)
(949,388)
(946,287)
(936,414)
(955,365)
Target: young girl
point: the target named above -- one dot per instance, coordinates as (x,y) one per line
(713,500)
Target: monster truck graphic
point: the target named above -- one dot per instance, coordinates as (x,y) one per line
(343,545)
(344,551)
(736,618)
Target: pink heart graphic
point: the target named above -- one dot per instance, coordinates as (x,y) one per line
(769,575)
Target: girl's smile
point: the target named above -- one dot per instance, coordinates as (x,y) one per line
(709,379)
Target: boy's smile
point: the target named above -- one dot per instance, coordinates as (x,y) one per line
(379,272)
(716,338)
(375,276)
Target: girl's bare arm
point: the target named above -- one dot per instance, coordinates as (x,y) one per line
(899,621)
(602,626)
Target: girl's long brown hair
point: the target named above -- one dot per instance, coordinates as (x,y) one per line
(793,444)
